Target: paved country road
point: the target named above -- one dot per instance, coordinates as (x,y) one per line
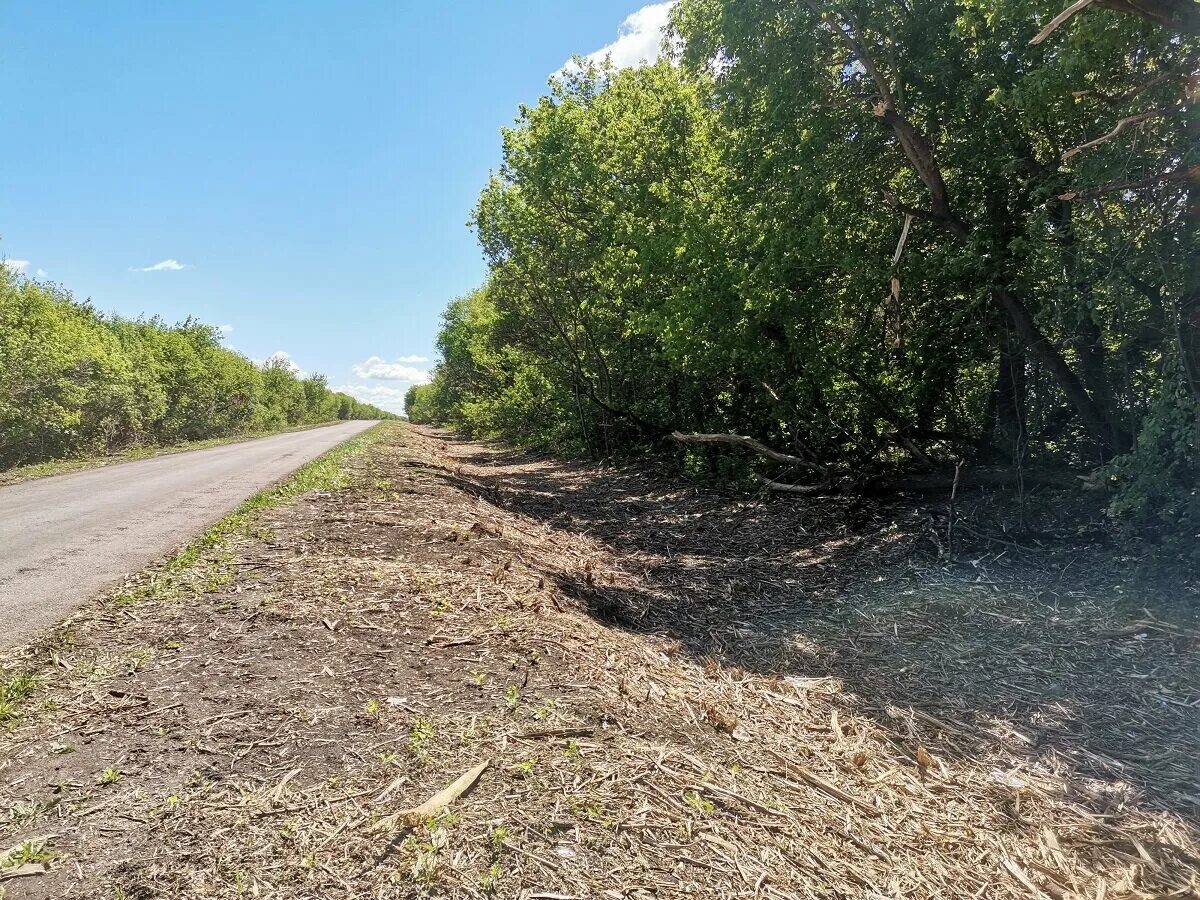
(64,539)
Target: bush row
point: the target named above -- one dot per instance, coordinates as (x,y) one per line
(75,381)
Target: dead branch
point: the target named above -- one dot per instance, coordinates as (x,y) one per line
(1054,24)
(1178,15)
(1180,174)
(772,485)
(1127,122)
(748,443)
(908,220)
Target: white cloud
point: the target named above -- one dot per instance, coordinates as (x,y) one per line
(224,330)
(379,368)
(166,265)
(40,273)
(639,39)
(382,395)
(15,265)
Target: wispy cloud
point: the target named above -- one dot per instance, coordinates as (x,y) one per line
(166,265)
(15,265)
(382,395)
(40,273)
(224,330)
(639,40)
(377,367)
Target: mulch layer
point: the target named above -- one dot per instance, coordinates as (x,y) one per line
(478,673)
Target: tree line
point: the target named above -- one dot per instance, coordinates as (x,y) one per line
(862,233)
(74,381)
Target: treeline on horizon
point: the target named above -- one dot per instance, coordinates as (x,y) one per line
(74,381)
(866,234)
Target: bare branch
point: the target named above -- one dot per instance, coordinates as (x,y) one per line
(1127,122)
(1178,15)
(1181,174)
(772,485)
(908,220)
(748,443)
(1058,20)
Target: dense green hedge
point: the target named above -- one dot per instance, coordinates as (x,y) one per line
(865,233)
(74,381)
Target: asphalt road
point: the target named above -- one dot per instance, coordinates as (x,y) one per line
(66,538)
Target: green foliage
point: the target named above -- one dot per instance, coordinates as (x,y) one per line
(74,381)
(421,404)
(709,244)
(1158,484)
(14,691)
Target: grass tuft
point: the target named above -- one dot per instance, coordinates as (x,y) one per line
(14,691)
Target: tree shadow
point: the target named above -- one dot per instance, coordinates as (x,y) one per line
(1033,650)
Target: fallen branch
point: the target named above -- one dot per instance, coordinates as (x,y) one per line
(412,817)
(772,485)
(748,443)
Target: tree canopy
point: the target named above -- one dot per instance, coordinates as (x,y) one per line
(865,233)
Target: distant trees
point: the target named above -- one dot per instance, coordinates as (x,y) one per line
(75,381)
(861,232)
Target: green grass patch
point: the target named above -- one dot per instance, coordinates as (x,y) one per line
(26,852)
(14,691)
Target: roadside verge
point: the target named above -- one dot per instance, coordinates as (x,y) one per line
(453,670)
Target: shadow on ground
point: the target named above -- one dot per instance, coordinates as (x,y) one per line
(1051,654)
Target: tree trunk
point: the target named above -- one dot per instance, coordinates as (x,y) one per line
(1009,401)
(1116,439)
(918,150)
(1087,340)
(1187,322)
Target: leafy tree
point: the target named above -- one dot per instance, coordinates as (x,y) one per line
(865,232)
(74,381)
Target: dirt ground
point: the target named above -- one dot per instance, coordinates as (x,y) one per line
(676,694)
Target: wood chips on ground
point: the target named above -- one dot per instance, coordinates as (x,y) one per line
(473,673)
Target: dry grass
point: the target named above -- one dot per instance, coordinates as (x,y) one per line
(676,695)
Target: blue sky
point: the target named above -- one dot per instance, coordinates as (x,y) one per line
(300,172)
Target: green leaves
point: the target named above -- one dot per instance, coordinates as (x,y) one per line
(709,244)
